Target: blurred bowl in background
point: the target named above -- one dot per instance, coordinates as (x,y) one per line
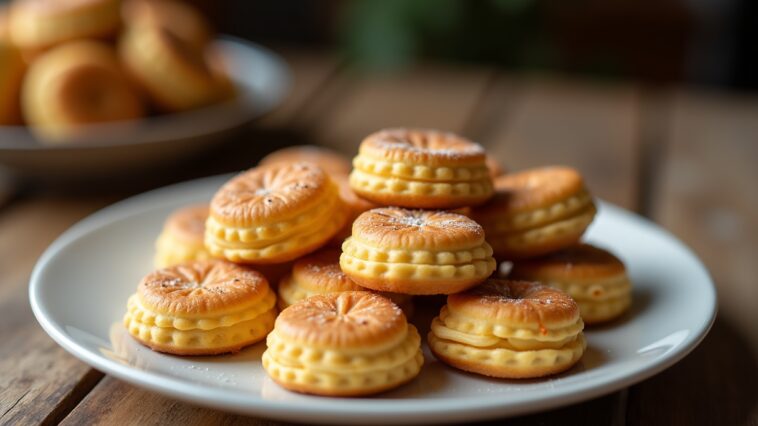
(262,79)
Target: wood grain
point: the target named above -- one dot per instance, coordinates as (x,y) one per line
(310,72)
(707,197)
(40,381)
(588,126)
(425,96)
(115,402)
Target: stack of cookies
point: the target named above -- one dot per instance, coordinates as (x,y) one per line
(344,251)
(67,65)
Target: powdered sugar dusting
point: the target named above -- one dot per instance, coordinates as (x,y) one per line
(429,142)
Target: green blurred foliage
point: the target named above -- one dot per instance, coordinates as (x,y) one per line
(386,34)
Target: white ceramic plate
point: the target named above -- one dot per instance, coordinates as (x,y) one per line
(80,285)
(262,80)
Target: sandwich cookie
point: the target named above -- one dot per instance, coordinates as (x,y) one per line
(535,212)
(182,238)
(416,252)
(273,214)
(201,308)
(509,329)
(343,344)
(421,169)
(594,277)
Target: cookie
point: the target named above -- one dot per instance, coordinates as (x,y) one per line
(343,344)
(594,277)
(421,169)
(201,308)
(320,273)
(509,329)
(273,214)
(182,237)
(535,212)
(73,86)
(416,252)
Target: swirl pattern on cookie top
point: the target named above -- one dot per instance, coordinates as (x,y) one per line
(430,147)
(392,227)
(273,192)
(349,320)
(515,302)
(509,329)
(202,287)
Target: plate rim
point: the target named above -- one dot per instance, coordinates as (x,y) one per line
(281,90)
(334,409)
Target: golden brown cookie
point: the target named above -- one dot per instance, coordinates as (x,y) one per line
(201,308)
(494,167)
(594,277)
(274,214)
(421,169)
(416,252)
(75,85)
(12,69)
(343,344)
(176,17)
(329,160)
(535,212)
(182,237)
(509,329)
(37,25)
(355,206)
(175,75)
(320,273)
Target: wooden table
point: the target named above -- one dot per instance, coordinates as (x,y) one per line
(685,159)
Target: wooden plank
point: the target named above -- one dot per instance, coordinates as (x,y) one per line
(706,196)
(40,381)
(588,126)
(115,402)
(310,71)
(424,96)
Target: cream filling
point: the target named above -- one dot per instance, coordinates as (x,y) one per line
(358,249)
(250,310)
(403,170)
(342,361)
(491,342)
